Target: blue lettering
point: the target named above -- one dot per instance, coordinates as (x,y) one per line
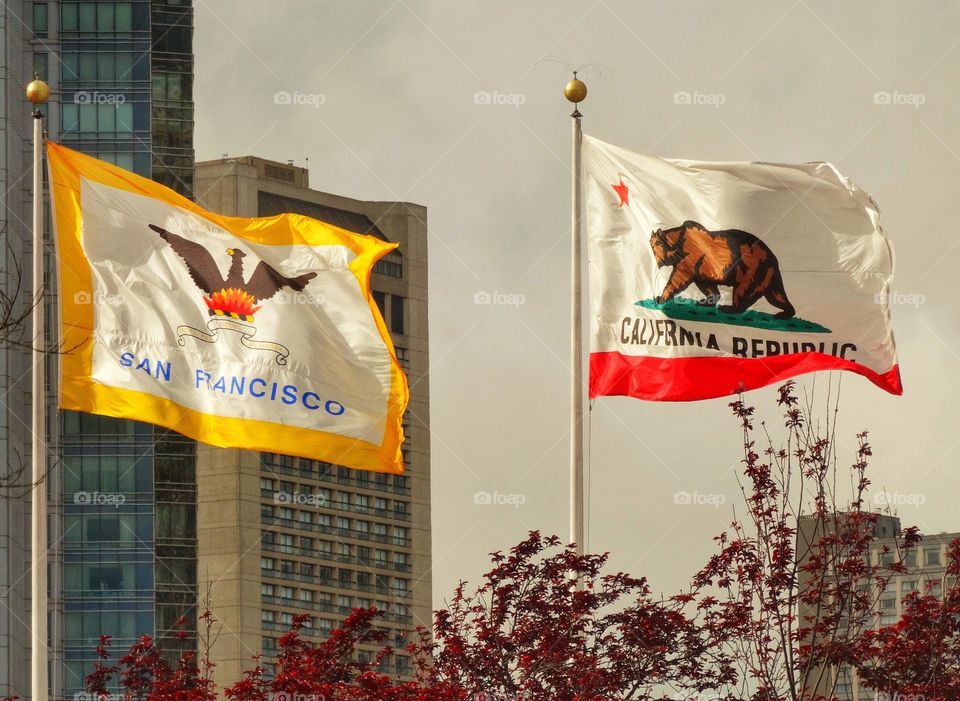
(236,385)
(126,359)
(255,380)
(199,377)
(289,394)
(163,369)
(144,365)
(273,392)
(309,406)
(332,408)
(220,385)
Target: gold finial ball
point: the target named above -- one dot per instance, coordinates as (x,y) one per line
(38,91)
(575,91)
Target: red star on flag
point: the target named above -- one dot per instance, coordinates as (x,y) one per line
(623,191)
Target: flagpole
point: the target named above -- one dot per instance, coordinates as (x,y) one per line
(575,91)
(37,93)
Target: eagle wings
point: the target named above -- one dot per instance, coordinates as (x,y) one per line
(263,284)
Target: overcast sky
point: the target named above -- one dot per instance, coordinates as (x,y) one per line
(775,81)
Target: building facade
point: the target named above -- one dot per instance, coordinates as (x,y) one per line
(926,572)
(122,495)
(281,536)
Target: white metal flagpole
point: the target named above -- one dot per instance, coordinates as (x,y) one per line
(575,91)
(37,93)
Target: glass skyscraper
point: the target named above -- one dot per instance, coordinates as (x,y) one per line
(122,494)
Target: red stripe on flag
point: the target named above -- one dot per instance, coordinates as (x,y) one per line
(689,379)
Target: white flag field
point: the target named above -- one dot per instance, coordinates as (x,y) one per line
(711,278)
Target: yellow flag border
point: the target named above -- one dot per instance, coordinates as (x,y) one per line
(79,392)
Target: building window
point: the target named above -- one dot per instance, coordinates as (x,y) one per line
(931,557)
(381,299)
(40,21)
(103,529)
(403,357)
(40,65)
(106,578)
(390,265)
(96,17)
(397,307)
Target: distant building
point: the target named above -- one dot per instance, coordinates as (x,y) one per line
(281,536)
(926,573)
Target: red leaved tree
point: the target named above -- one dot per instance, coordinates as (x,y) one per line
(527,633)
(789,600)
(919,656)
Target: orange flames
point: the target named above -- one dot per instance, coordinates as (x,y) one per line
(232,301)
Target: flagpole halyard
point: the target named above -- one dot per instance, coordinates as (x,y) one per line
(575,91)
(38,92)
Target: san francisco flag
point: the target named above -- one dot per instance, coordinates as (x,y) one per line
(710,277)
(246,333)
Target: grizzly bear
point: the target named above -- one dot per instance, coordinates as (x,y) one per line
(708,259)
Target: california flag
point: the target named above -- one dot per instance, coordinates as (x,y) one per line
(249,333)
(708,278)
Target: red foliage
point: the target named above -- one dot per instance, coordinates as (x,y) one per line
(770,617)
(527,633)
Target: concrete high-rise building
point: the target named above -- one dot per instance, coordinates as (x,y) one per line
(281,536)
(926,573)
(121,494)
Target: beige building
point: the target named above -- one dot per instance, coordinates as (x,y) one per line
(280,536)
(926,573)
